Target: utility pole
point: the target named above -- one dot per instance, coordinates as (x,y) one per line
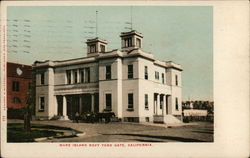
(96,22)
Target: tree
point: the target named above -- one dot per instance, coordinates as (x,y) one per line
(28,109)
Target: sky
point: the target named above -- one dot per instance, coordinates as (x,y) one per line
(183,34)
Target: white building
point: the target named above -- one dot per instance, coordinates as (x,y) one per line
(129,82)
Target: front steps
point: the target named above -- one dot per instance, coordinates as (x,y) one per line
(167,119)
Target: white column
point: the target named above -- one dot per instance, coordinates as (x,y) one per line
(78,76)
(163,105)
(158,103)
(65,108)
(55,106)
(170,104)
(71,76)
(155,104)
(92,102)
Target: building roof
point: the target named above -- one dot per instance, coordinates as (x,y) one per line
(18,70)
(134,52)
(97,39)
(133,32)
(111,54)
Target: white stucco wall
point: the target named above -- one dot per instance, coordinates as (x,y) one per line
(112,86)
(46,91)
(119,86)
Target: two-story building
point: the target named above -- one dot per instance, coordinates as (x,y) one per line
(129,82)
(19,79)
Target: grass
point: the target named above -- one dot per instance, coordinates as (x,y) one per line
(16,132)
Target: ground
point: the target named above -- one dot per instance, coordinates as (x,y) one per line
(134,132)
(16,132)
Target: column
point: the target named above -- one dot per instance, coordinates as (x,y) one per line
(154,104)
(163,105)
(55,106)
(78,76)
(157,103)
(169,100)
(65,108)
(92,102)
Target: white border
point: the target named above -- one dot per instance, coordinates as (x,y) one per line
(231,90)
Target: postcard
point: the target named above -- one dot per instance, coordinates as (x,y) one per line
(125,79)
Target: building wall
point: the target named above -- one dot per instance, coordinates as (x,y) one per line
(112,86)
(176,90)
(130,86)
(150,87)
(21,74)
(119,86)
(47,91)
(21,94)
(60,72)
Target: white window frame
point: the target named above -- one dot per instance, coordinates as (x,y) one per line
(146,106)
(132,101)
(105,94)
(130,73)
(40,107)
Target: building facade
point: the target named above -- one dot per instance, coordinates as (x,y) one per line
(19,80)
(129,82)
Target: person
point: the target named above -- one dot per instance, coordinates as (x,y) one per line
(77,117)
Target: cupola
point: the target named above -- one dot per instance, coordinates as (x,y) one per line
(96,46)
(131,40)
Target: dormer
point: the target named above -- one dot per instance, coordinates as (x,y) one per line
(96,46)
(131,40)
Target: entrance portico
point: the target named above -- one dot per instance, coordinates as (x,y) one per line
(161,108)
(69,105)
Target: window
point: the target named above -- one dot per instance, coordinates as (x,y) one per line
(92,48)
(146,101)
(138,42)
(127,42)
(81,75)
(156,75)
(109,102)
(163,78)
(130,101)
(130,71)
(42,78)
(68,73)
(146,72)
(176,80)
(87,77)
(102,48)
(108,72)
(41,104)
(176,104)
(16,100)
(15,86)
(75,76)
